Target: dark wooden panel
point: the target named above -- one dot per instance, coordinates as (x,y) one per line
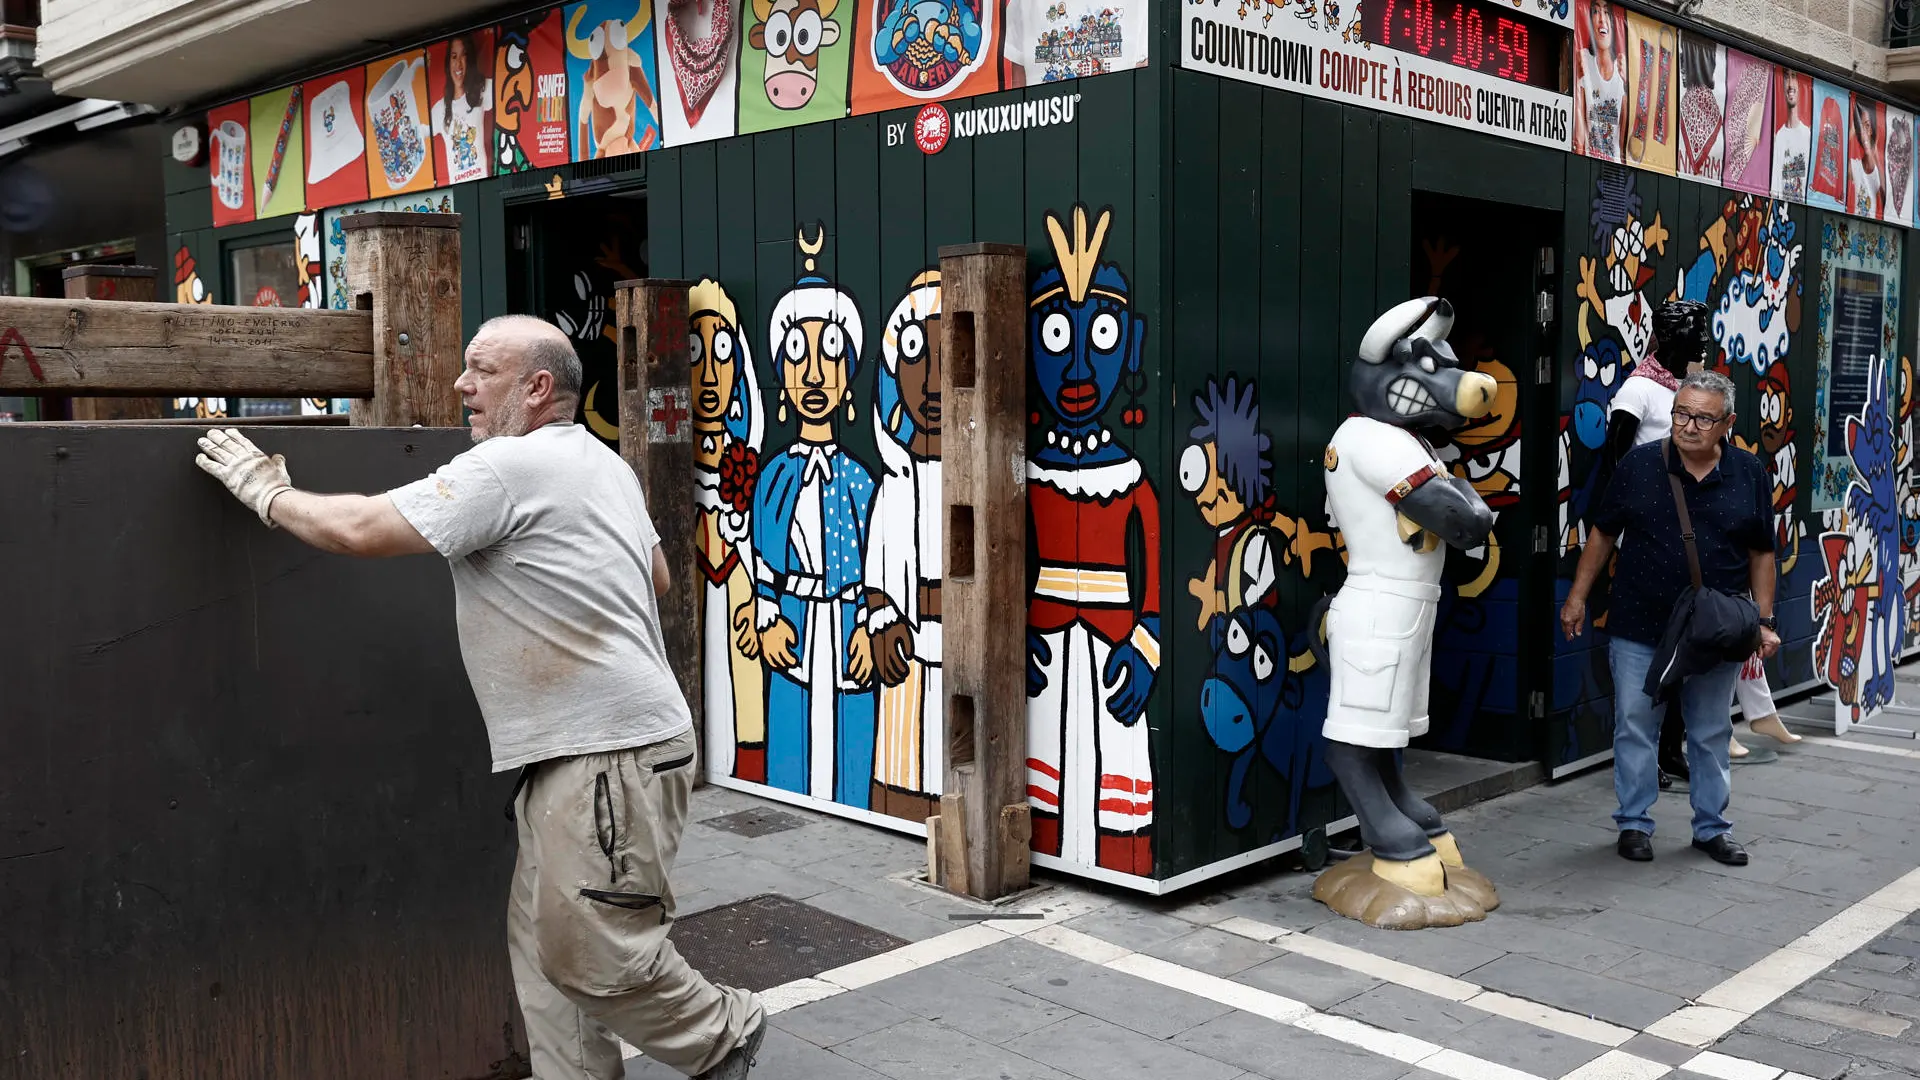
(1000,209)
(773,198)
(700,213)
(734,193)
(950,192)
(1461,162)
(1359,225)
(246,812)
(666,202)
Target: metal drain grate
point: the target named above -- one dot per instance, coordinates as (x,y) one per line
(769,940)
(759,821)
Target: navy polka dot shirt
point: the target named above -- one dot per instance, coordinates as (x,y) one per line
(1732,511)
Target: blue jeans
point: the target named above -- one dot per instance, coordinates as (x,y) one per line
(1706,704)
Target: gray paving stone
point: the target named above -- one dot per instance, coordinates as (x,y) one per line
(1778,922)
(1898,1005)
(1669,974)
(1853,975)
(1302,978)
(1524,933)
(967,1003)
(845,1016)
(1130,927)
(1093,1049)
(1295,910)
(1410,1012)
(1598,996)
(1446,953)
(1271,1050)
(1006,961)
(739,875)
(1870,1071)
(1783,1025)
(921,1050)
(1828,990)
(1819,1064)
(1523,1046)
(1149,1008)
(1888,1052)
(1654,1048)
(781,1054)
(1215,952)
(889,914)
(1889,948)
(1674,939)
(1869,1020)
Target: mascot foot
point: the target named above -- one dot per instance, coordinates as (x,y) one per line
(1468,881)
(1377,892)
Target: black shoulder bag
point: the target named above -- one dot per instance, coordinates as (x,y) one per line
(1706,627)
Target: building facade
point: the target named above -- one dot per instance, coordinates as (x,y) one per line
(1217,199)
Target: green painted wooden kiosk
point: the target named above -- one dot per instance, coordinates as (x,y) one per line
(1212,218)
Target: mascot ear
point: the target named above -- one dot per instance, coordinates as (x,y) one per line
(1429,317)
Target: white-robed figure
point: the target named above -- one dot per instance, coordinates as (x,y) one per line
(727,425)
(811,507)
(904,558)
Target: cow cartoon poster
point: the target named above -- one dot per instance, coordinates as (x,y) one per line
(908,52)
(794,62)
(529,94)
(699,42)
(611,77)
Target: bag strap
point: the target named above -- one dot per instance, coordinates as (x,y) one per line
(1686,520)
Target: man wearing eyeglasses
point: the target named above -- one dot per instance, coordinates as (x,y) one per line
(1729,498)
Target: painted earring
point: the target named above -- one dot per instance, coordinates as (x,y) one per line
(851,414)
(1135,414)
(783,410)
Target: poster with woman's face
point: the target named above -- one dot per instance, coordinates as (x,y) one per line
(1899,167)
(1749,136)
(1867,157)
(1652,52)
(1703,108)
(460,81)
(1792,133)
(1599,80)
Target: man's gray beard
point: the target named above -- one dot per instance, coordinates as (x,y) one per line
(505,420)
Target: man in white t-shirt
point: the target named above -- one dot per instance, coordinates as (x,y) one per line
(1791,144)
(556,570)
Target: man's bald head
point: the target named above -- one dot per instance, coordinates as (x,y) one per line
(540,346)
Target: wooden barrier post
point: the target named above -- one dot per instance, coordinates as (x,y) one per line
(656,438)
(136,283)
(405,268)
(978,845)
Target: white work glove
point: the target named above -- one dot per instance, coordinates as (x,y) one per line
(252,476)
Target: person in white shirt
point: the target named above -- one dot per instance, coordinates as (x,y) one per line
(1600,99)
(1863,167)
(1792,142)
(460,116)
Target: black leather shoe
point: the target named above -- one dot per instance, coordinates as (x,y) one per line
(1724,849)
(1665,780)
(1636,845)
(1676,767)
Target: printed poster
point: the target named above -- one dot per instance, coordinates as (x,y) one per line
(460,79)
(336,131)
(1866,158)
(399,142)
(278,152)
(1899,167)
(1859,314)
(1827,183)
(1749,131)
(1054,40)
(230,163)
(530,94)
(1703,108)
(1792,133)
(1599,80)
(698,47)
(610,75)
(335,238)
(912,51)
(794,65)
(1653,54)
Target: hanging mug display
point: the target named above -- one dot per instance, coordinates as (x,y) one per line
(394,115)
(230,150)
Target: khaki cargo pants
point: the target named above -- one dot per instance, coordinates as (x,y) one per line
(588,919)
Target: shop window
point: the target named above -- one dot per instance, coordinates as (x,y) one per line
(264,275)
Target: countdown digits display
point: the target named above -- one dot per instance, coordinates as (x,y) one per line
(1471,34)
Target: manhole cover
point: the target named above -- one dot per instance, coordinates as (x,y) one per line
(769,940)
(758,822)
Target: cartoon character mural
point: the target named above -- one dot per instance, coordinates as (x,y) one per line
(307,248)
(791,34)
(1226,471)
(1907,480)
(1859,603)
(812,508)
(925,46)
(904,556)
(1093,637)
(1752,324)
(609,76)
(727,426)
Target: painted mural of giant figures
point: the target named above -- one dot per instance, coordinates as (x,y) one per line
(811,512)
(904,558)
(727,424)
(1093,625)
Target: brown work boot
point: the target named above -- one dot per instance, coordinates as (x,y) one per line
(741,1058)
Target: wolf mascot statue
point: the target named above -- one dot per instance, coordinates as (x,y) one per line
(1395,505)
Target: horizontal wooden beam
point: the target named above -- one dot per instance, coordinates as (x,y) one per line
(104,348)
